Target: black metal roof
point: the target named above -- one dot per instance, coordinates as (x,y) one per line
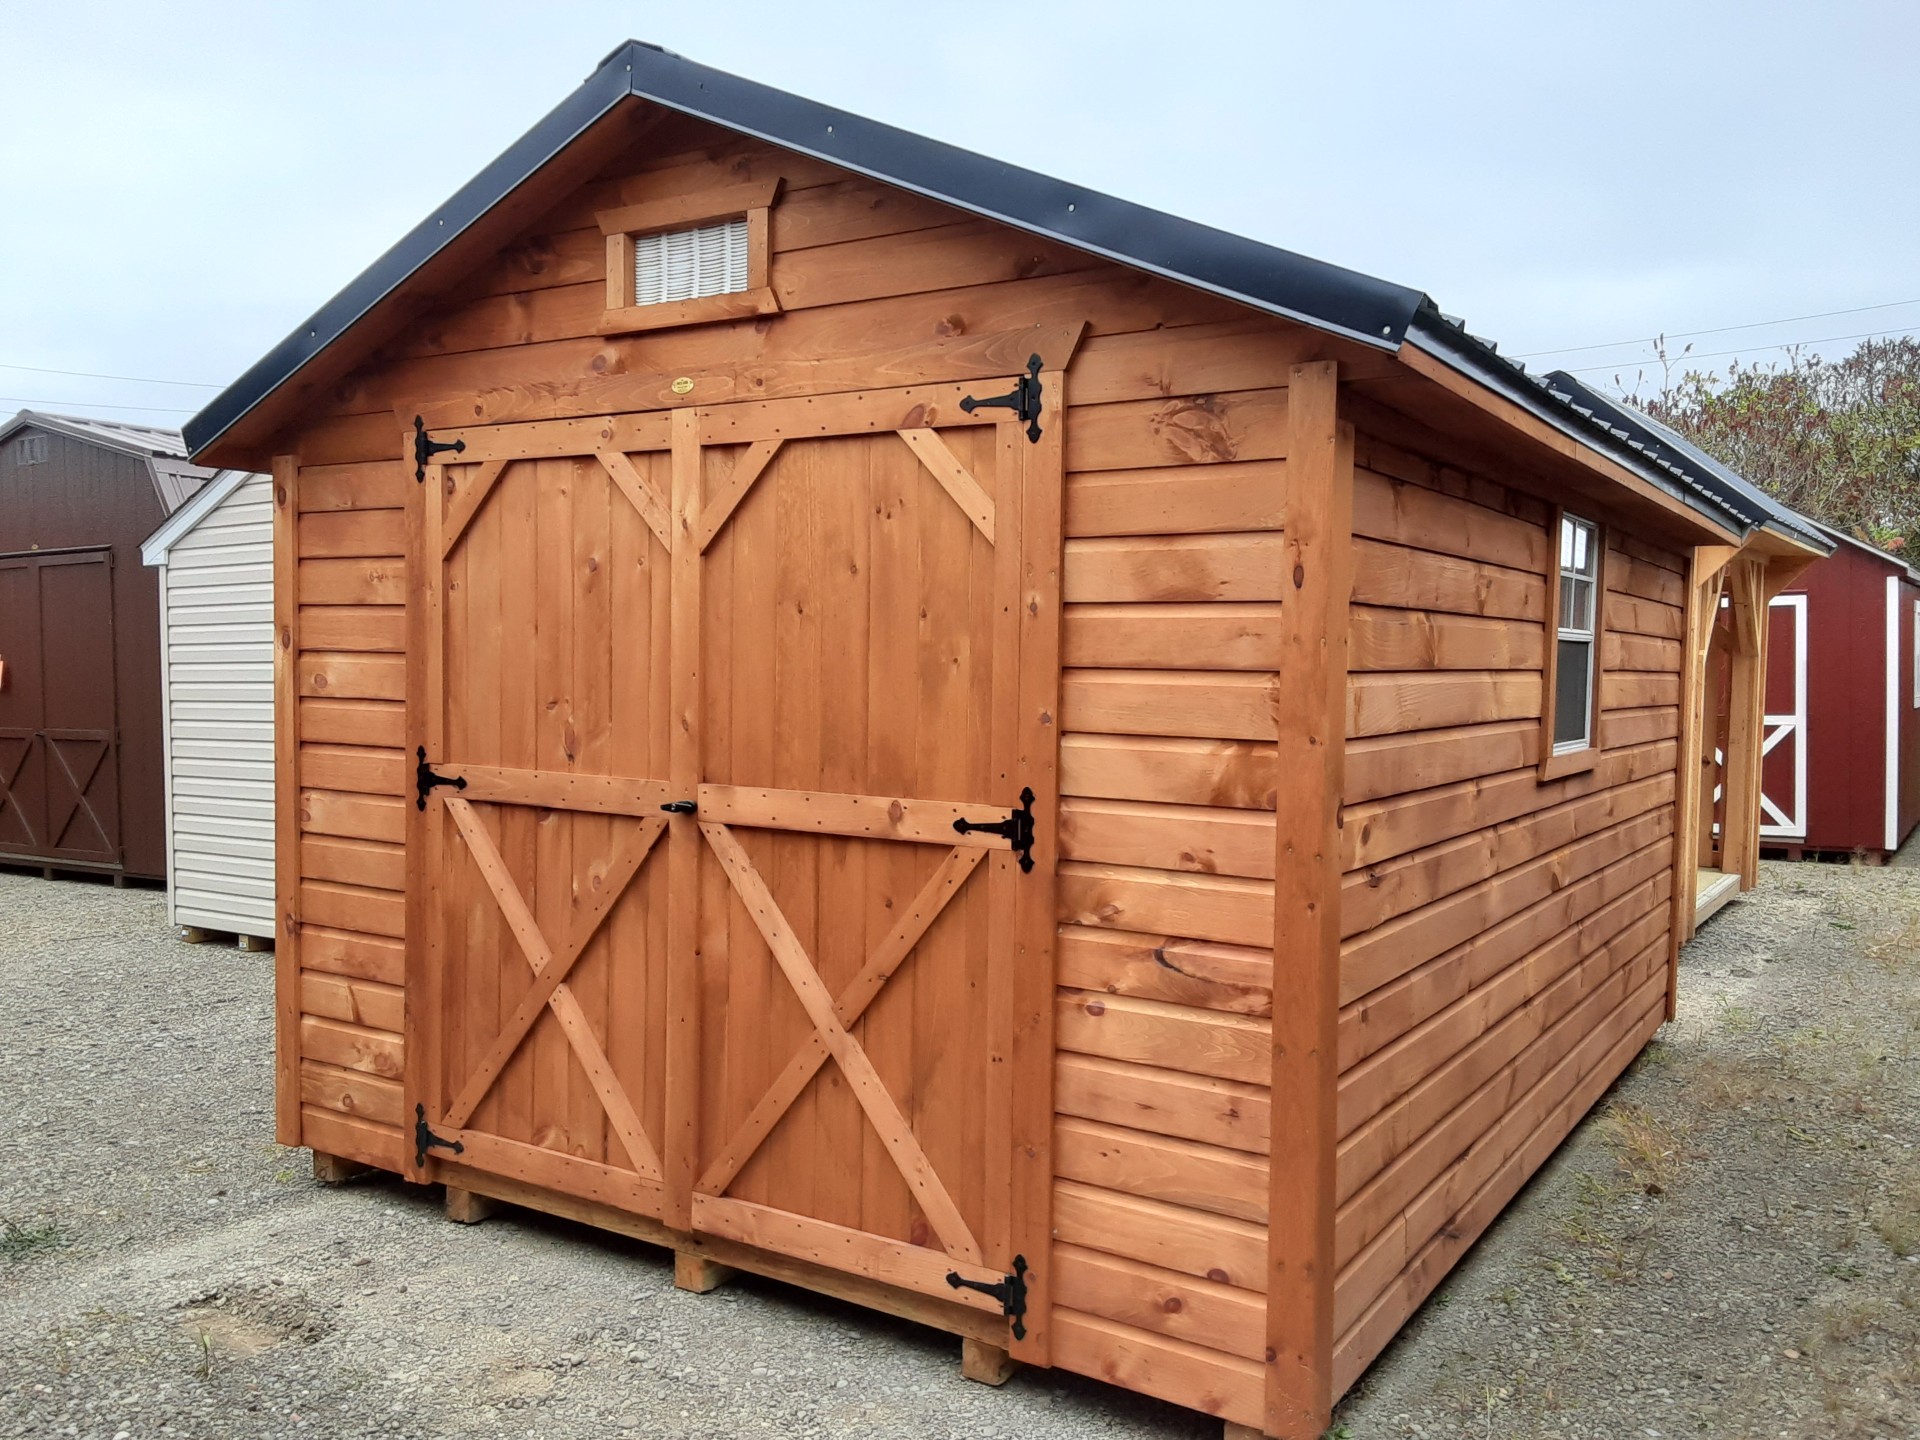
(1668,447)
(1343,302)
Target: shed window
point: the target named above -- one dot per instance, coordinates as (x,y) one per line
(31,450)
(1578,636)
(686,264)
(689,259)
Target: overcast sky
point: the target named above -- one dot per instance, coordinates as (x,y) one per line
(184,183)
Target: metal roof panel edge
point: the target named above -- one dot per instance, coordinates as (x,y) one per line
(604,89)
(1479,361)
(1668,447)
(1263,276)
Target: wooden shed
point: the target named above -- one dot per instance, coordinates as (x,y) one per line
(1843,711)
(214,558)
(80,786)
(870,716)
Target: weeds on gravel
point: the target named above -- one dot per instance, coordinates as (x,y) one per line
(18,1241)
(1896,945)
(1734,1083)
(1897,1220)
(1647,1146)
(1846,1322)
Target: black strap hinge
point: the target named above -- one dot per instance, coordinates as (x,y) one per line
(1023,399)
(425,449)
(1017,829)
(1010,1291)
(425,778)
(424,1139)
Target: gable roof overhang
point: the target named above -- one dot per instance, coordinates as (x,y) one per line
(1837,538)
(154,549)
(637,80)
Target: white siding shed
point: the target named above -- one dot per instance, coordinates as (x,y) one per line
(215,558)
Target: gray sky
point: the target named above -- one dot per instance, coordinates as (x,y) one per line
(187,182)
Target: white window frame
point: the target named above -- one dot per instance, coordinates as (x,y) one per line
(1572,527)
(1916,654)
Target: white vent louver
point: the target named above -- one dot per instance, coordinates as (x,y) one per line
(686,264)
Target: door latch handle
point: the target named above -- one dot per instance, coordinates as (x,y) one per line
(1016,829)
(680,807)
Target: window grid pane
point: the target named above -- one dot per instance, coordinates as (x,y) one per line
(1573,663)
(687,264)
(1572,692)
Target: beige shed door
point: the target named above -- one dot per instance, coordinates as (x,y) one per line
(714,935)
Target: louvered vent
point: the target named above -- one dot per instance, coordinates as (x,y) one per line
(686,264)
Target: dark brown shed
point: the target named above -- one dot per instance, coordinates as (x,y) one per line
(80,705)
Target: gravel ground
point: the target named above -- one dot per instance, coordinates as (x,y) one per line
(1719,1251)
(1730,1245)
(167,1270)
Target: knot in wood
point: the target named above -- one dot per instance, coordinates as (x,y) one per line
(1299,576)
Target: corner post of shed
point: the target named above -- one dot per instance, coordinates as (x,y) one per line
(286,803)
(1310,709)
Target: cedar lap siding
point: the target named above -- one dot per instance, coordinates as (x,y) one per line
(1470,953)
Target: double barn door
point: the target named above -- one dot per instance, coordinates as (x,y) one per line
(709,703)
(59,761)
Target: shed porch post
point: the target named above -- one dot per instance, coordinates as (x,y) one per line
(1740,827)
(1310,710)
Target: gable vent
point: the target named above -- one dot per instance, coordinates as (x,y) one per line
(686,264)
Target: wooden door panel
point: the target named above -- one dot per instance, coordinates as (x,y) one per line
(792,1023)
(857,667)
(848,611)
(550,908)
(1783,763)
(895,955)
(59,741)
(23,794)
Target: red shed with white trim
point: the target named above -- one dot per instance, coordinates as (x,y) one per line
(1842,680)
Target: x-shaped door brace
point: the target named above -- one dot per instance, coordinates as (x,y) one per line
(831,1038)
(7,780)
(549,989)
(58,833)
(464,503)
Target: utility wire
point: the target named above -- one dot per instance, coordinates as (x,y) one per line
(130,379)
(81,407)
(1722,330)
(1722,354)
